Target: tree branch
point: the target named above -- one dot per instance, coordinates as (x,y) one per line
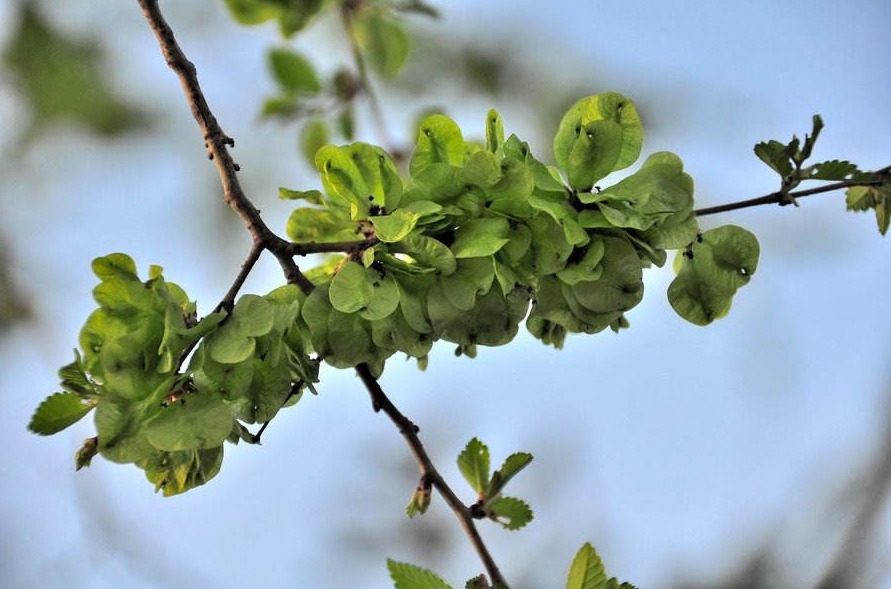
(217,143)
(784,198)
(409,431)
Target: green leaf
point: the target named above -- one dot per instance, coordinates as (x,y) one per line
(254,315)
(311,225)
(234,340)
(295,15)
(199,420)
(832,170)
(586,571)
(351,288)
(384,295)
(597,135)
(313,137)
(473,462)
(439,142)
(293,72)
(359,176)
(384,39)
(472,278)
(777,155)
(428,252)
(252,12)
(710,271)
(510,512)
(620,286)
(409,576)
(396,226)
(115,267)
(810,140)
(59,411)
(349,341)
(178,472)
(513,464)
(74,378)
(285,107)
(481,237)
(876,198)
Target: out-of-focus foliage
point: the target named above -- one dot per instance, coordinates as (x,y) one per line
(63,80)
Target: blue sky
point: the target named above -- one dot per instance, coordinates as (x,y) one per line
(670,447)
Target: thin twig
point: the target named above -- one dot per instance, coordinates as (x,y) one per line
(784,198)
(229,298)
(409,431)
(217,144)
(304,249)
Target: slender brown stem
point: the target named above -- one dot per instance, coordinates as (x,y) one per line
(303,249)
(785,198)
(229,297)
(409,431)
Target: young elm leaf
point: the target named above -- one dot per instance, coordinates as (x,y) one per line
(409,576)
(513,464)
(810,140)
(510,512)
(586,571)
(776,155)
(473,462)
(59,411)
(831,170)
(877,198)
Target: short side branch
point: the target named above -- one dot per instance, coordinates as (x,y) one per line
(784,198)
(409,431)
